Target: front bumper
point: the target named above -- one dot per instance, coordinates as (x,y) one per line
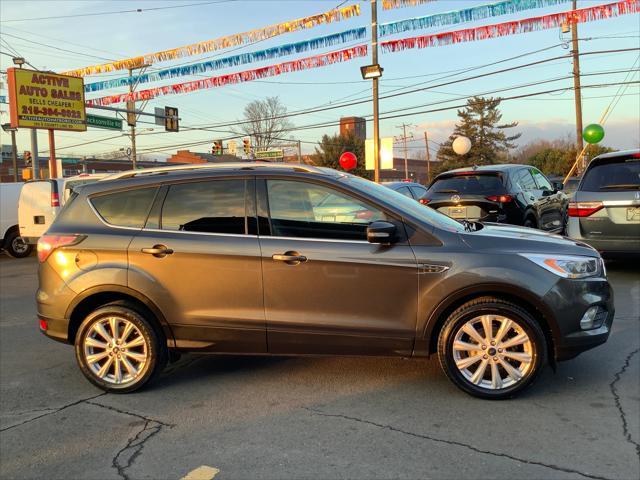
(569,300)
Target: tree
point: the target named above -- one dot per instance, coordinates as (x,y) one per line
(265,122)
(480,122)
(331,147)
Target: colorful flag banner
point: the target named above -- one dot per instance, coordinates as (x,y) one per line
(471,14)
(238,77)
(389,4)
(533,24)
(199,48)
(241,59)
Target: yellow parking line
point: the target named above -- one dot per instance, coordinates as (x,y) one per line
(201,473)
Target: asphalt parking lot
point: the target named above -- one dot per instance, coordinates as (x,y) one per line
(252,417)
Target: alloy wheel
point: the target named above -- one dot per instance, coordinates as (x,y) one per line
(19,246)
(115,350)
(493,352)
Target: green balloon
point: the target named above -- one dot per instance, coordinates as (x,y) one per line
(593,133)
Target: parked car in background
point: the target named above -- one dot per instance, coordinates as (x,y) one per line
(241,259)
(569,187)
(515,194)
(605,210)
(409,189)
(40,201)
(10,239)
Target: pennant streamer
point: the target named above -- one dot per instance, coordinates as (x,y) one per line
(389,4)
(590,14)
(334,15)
(239,77)
(241,59)
(479,12)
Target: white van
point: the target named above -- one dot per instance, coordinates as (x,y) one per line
(41,200)
(10,240)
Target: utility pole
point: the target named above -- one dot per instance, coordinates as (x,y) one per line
(426,143)
(14,154)
(576,80)
(404,140)
(376,115)
(34,153)
(299,152)
(132,106)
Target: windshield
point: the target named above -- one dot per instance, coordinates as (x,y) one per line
(614,175)
(413,208)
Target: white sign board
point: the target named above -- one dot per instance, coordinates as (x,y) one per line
(386,153)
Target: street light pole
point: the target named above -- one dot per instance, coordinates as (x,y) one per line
(376,116)
(14,150)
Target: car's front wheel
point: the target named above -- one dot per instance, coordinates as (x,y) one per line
(118,349)
(16,246)
(491,348)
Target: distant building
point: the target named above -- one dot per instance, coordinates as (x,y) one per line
(417,171)
(356,126)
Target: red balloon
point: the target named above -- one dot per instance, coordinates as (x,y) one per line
(348,161)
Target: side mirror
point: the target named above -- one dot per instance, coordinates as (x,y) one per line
(557,186)
(381,232)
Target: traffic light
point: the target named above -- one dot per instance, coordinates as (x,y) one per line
(171,119)
(246,145)
(217,147)
(26,156)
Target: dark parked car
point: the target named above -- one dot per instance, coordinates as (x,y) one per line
(409,189)
(605,210)
(515,194)
(242,259)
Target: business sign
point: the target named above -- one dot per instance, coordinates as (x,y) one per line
(46,100)
(108,123)
(270,154)
(386,154)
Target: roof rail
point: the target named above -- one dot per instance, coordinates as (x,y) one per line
(208,166)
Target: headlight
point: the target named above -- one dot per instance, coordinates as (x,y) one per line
(568,266)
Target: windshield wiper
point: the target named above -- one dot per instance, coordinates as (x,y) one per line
(620,185)
(447,191)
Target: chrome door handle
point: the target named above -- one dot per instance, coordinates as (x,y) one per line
(292,258)
(158,251)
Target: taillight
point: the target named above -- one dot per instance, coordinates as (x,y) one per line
(424,201)
(55,199)
(48,243)
(500,198)
(583,209)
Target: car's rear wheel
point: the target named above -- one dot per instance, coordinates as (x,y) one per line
(491,348)
(118,349)
(16,246)
(530,222)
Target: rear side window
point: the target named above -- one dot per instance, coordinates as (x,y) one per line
(418,192)
(405,191)
(210,207)
(469,184)
(125,209)
(616,175)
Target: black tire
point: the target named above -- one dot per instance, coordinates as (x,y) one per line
(15,246)
(530,222)
(491,306)
(156,351)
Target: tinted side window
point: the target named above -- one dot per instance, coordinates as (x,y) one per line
(541,180)
(125,209)
(405,191)
(418,192)
(300,209)
(525,181)
(211,207)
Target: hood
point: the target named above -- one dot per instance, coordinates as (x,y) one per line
(509,238)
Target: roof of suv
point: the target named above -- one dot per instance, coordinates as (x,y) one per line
(612,155)
(142,177)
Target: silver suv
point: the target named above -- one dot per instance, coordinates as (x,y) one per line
(605,210)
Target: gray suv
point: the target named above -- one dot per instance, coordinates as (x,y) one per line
(249,259)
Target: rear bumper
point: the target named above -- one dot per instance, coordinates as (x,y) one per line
(608,247)
(569,300)
(57,329)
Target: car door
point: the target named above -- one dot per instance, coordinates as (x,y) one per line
(198,260)
(326,289)
(550,202)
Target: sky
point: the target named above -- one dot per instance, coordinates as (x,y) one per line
(79,40)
